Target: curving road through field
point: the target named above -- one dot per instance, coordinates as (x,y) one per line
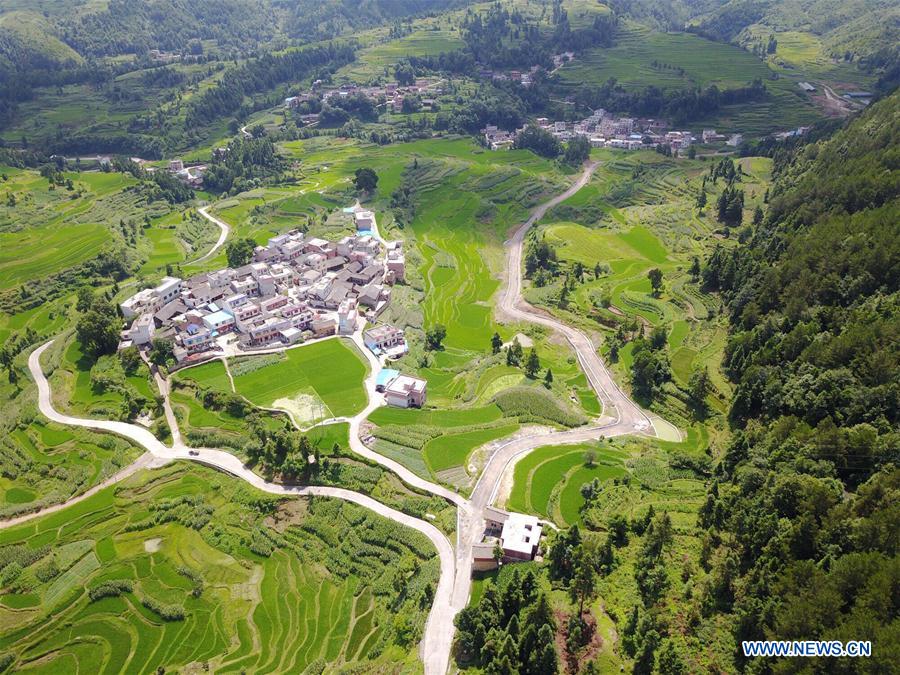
(224,231)
(438,637)
(622,416)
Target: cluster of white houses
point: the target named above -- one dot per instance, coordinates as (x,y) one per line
(605,130)
(389,96)
(296,287)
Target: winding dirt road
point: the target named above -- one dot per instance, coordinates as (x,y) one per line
(622,415)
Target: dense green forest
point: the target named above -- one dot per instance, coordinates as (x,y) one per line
(802,520)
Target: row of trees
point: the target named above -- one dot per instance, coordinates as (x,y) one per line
(543,143)
(242,165)
(262,74)
(677,105)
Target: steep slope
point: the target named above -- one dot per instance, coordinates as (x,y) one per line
(802,525)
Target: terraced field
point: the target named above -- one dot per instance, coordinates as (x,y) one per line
(643,57)
(46,231)
(44,464)
(438,443)
(241,590)
(548,481)
(375,60)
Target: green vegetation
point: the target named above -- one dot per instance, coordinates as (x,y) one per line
(329,371)
(126,569)
(814,365)
(511,628)
(548,481)
(451,450)
(536,404)
(639,214)
(312,382)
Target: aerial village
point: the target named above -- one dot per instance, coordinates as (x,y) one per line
(296,288)
(605,130)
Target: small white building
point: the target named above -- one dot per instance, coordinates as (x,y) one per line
(406,392)
(141,331)
(152,299)
(365,220)
(348,317)
(517,534)
(385,340)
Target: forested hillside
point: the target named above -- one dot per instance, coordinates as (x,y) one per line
(858,28)
(802,523)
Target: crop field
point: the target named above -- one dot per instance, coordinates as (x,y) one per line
(435,418)
(44,464)
(452,450)
(328,371)
(210,375)
(312,382)
(74,376)
(46,230)
(214,581)
(643,57)
(548,481)
(439,444)
(802,55)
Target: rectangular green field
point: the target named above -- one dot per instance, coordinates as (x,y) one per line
(334,371)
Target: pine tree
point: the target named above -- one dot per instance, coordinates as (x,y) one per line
(532,364)
(548,378)
(701,199)
(547,661)
(496,343)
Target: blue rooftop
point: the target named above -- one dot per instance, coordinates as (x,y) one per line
(218,317)
(364,233)
(385,376)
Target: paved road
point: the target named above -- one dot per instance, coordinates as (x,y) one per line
(224,228)
(436,643)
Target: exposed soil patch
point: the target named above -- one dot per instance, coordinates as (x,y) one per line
(289,512)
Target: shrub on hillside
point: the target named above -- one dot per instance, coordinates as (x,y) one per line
(110,589)
(533,404)
(165,612)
